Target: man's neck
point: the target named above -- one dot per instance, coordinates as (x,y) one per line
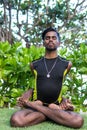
(50,55)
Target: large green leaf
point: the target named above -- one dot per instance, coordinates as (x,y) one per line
(83,70)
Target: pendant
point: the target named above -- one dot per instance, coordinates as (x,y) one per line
(48,75)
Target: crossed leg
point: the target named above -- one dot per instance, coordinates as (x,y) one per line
(62,117)
(40,113)
(26,117)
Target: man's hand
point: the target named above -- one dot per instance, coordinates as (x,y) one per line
(66,105)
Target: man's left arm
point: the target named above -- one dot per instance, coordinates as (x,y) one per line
(69,66)
(66,103)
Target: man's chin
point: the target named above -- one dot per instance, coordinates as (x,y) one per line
(51,49)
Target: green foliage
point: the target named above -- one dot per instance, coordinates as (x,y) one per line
(33,16)
(77,86)
(16,76)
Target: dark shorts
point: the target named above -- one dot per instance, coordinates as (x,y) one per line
(47,104)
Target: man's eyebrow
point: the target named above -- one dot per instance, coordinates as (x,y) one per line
(50,36)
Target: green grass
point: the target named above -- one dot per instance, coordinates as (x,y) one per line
(5,115)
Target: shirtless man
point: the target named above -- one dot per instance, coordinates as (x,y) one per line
(49,72)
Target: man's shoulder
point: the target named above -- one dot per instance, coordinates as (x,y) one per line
(37,60)
(63,59)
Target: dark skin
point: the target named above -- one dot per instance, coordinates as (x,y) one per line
(56,114)
(35,112)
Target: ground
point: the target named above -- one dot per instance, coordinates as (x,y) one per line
(6,113)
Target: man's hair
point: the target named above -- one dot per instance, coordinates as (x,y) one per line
(48,30)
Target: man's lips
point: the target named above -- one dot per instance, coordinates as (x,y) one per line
(50,43)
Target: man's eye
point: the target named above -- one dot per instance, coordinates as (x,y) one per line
(54,38)
(47,38)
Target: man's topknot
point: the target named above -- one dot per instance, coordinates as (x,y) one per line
(48,30)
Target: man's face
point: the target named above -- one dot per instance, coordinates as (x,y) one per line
(51,41)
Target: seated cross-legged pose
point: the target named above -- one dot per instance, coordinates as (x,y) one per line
(47,103)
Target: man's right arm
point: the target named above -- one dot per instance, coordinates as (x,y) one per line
(32,68)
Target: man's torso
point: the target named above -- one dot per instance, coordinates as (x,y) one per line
(48,89)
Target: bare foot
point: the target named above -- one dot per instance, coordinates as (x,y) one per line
(25,97)
(38,102)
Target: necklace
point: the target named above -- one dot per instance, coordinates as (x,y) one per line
(48,72)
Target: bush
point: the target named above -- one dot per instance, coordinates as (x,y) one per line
(16,76)
(15,73)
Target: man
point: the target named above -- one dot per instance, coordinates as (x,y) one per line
(49,72)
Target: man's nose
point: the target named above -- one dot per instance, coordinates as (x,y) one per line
(50,38)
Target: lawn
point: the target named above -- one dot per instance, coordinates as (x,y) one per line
(5,115)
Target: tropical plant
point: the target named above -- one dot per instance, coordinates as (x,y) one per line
(76,84)
(15,74)
(16,77)
(26,19)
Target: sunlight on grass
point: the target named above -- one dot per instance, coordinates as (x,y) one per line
(5,115)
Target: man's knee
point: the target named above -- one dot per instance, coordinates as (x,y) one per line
(15,121)
(78,122)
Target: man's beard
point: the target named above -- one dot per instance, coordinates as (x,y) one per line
(51,49)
